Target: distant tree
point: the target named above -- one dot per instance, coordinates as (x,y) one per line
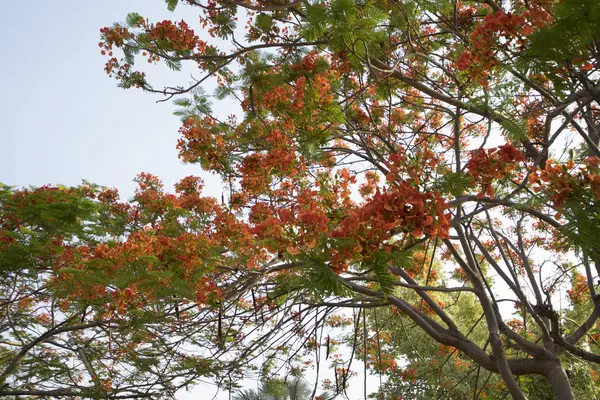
(279,389)
(414,366)
(393,157)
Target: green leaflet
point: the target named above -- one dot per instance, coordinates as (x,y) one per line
(264,21)
(514,130)
(171,4)
(133,19)
(385,279)
(454,183)
(323,280)
(436,6)
(160,274)
(198,105)
(316,21)
(173,65)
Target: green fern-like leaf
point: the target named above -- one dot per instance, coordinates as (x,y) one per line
(264,22)
(455,183)
(384,278)
(514,130)
(436,6)
(342,8)
(133,19)
(323,280)
(174,65)
(171,4)
(222,92)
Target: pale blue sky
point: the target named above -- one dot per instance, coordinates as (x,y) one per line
(63,119)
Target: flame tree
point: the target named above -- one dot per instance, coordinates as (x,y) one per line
(400,158)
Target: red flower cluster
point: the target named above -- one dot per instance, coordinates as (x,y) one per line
(290,228)
(409,375)
(115,35)
(188,195)
(203,143)
(273,97)
(178,35)
(308,62)
(207,289)
(411,168)
(486,37)
(517,325)
(401,210)
(565,181)
(280,160)
(578,291)
(495,163)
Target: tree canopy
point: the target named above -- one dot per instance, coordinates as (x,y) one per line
(418,177)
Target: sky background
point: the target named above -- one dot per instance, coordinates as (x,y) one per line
(64,120)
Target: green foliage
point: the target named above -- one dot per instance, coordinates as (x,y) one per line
(171,4)
(514,130)
(51,214)
(455,183)
(264,21)
(440,372)
(196,106)
(315,24)
(174,65)
(280,389)
(346,25)
(582,226)
(567,41)
(384,278)
(322,280)
(436,6)
(569,37)
(133,19)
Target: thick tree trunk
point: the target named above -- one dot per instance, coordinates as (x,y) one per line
(560,382)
